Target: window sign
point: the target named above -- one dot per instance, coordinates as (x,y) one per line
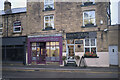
(17,26)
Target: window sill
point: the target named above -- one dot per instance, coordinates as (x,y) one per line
(48,10)
(17,32)
(46,29)
(88,26)
(90,56)
(87,5)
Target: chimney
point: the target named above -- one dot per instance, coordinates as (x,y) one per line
(7,5)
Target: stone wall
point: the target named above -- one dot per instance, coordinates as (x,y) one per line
(68,17)
(102,61)
(11,18)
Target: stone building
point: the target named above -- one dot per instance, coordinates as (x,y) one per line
(79,24)
(13,32)
(56,29)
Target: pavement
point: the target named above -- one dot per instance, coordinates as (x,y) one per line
(16,67)
(56,71)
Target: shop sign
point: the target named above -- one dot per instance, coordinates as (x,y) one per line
(44,39)
(79,42)
(81,35)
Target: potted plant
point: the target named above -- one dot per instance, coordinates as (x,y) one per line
(89,23)
(48,28)
(94,55)
(48,7)
(53,54)
(77,57)
(88,2)
(64,58)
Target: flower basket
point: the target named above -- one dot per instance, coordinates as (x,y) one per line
(90,54)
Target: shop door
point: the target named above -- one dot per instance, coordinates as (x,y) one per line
(40,58)
(113,53)
(38,53)
(71,50)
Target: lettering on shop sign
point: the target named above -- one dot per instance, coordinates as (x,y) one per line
(79,42)
(81,35)
(45,39)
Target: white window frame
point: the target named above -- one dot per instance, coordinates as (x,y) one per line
(67,51)
(83,1)
(16,27)
(49,21)
(89,17)
(90,44)
(47,4)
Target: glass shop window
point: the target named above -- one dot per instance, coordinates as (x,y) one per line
(90,46)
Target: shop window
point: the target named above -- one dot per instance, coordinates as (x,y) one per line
(70,41)
(52,51)
(88,2)
(90,46)
(17,26)
(48,5)
(89,18)
(49,22)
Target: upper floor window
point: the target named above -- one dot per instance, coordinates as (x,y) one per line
(1,28)
(49,22)
(17,26)
(48,4)
(89,18)
(88,2)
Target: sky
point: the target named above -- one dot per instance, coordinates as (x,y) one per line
(22,3)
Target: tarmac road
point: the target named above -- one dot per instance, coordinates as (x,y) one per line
(13,71)
(51,73)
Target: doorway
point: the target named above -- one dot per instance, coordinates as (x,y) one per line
(113,53)
(38,52)
(70,49)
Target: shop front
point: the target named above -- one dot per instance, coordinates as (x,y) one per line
(44,48)
(81,42)
(14,49)
(87,45)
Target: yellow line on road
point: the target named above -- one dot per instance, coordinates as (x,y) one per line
(59,71)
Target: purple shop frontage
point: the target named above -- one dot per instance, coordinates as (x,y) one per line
(43,49)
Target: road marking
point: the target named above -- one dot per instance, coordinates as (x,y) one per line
(43,70)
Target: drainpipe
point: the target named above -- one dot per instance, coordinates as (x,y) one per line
(7,25)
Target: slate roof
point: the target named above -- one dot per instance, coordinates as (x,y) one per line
(13,11)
